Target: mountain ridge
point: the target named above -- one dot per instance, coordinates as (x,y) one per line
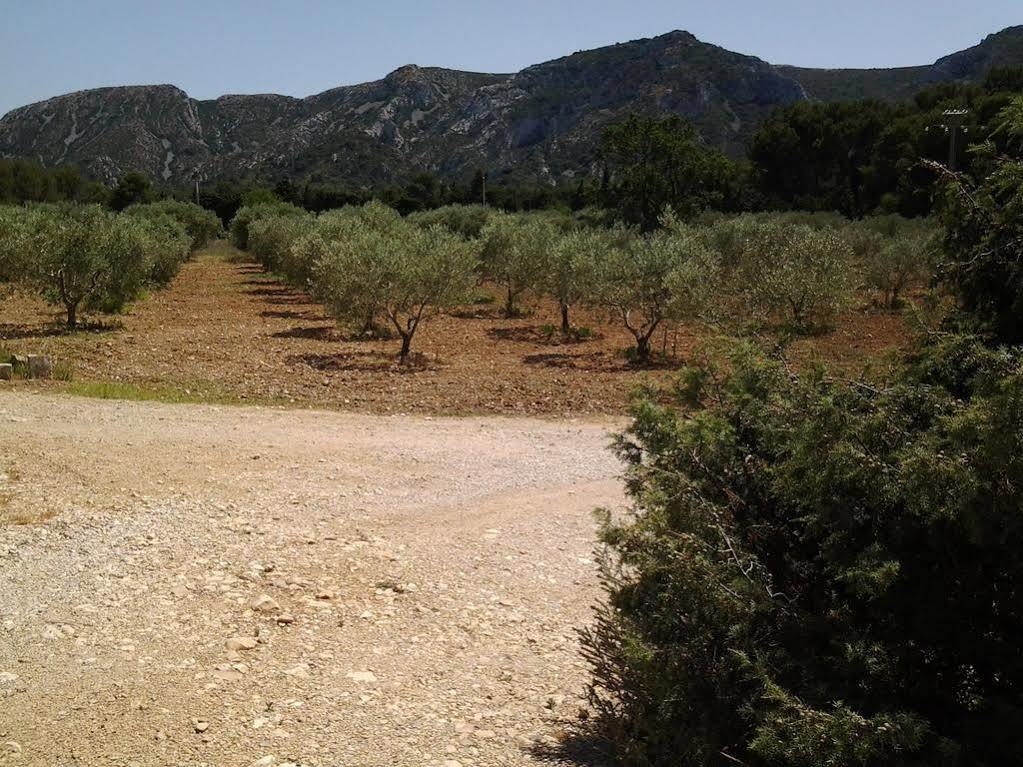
(542,122)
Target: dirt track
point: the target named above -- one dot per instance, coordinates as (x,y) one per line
(410,587)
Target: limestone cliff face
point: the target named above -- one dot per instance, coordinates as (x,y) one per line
(543,122)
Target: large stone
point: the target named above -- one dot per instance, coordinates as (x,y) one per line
(264,604)
(6,371)
(39,366)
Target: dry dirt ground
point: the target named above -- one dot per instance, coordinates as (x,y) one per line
(226,331)
(222,585)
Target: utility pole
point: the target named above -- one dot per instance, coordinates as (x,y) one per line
(954,119)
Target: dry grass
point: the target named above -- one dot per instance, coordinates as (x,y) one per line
(226,332)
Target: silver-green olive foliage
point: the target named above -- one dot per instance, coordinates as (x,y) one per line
(516,254)
(667,276)
(797,274)
(401,273)
(84,257)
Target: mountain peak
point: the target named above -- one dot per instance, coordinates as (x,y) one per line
(405,73)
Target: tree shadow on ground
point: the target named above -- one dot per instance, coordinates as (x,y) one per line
(269,289)
(15,332)
(536,334)
(288,314)
(579,745)
(368,360)
(602,362)
(286,299)
(477,312)
(594,362)
(313,332)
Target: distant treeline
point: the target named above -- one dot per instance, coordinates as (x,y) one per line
(856,158)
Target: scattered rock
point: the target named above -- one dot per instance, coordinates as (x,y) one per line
(265,604)
(200,725)
(266,761)
(6,371)
(362,676)
(39,366)
(300,670)
(240,643)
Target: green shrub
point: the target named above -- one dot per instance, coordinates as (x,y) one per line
(983,244)
(819,572)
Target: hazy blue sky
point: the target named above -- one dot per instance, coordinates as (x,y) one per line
(212,47)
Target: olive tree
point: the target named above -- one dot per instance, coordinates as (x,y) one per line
(801,274)
(405,274)
(466,220)
(895,265)
(13,229)
(83,256)
(572,269)
(167,246)
(669,275)
(249,213)
(270,241)
(516,254)
(374,225)
(201,224)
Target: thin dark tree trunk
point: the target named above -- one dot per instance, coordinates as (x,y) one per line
(72,315)
(406,343)
(643,348)
(565,324)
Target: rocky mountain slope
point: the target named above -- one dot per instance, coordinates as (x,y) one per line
(1002,49)
(541,123)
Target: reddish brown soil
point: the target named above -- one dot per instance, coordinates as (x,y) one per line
(225,330)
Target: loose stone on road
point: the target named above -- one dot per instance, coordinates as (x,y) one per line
(372,590)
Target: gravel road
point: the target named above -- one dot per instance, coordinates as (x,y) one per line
(201,585)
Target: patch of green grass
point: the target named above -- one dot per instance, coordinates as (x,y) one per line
(63,371)
(144,393)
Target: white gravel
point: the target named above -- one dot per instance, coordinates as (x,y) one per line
(238,586)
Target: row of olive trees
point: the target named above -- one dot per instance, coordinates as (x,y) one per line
(85,258)
(366,264)
(799,270)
